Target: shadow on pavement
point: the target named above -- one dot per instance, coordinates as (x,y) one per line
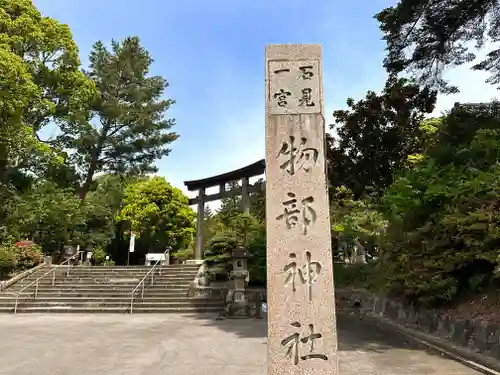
(244,328)
(354,333)
(357,334)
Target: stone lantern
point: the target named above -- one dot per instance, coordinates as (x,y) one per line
(239,304)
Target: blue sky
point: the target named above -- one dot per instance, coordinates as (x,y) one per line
(212,54)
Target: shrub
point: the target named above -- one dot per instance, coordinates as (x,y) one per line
(99,255)
(354,275)
(28,254)
(257,248)
(8,260)
(184,254)
(218,254)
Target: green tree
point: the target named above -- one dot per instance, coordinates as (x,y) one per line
(41,80)
(258,202)
(159,213)
(428,36)
(101,206)
(356,224)
(443,236)
(127,130)
(230,206)
(375,136)
(218,254)
(51,216)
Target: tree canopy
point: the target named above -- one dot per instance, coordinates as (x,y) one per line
(159,213)
(111,123)
(428,36)
(126,130)
(376,134)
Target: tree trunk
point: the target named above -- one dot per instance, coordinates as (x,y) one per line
(93,165)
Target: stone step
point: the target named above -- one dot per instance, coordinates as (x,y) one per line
(65,298)
(116,280)
(162,297)
(135,269)
(85,288)
(127,275)
(144,272)
(99,287)
(104,294)
(130,283)
(117,310)
(119,276)
(121,303)
(93,291)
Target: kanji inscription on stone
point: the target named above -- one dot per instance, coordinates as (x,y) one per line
(294,87)
(294,343)
(298,212)
(305,273)
(296,154)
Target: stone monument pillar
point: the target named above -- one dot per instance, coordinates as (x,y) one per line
(302,336)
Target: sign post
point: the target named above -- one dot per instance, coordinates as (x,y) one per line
(131,246)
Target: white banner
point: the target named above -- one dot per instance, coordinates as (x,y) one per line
(131,246)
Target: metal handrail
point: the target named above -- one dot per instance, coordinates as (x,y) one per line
(150,272)
(53,270)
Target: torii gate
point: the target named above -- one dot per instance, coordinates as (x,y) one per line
(244,174)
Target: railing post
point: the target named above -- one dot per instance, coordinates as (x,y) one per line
(142,293)
(37,281)
(152,277)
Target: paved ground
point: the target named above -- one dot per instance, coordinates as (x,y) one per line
(174,345)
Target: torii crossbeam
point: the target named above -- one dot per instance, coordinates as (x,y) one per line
(244,174)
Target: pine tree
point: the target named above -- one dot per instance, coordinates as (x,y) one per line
(127,130)
(425,37)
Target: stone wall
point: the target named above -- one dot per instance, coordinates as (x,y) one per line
(480,337)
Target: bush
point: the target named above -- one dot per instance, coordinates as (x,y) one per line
(8,260)
(354,275)
(257,249)
(183,254)
(218,255)
(99,255)
(28,254)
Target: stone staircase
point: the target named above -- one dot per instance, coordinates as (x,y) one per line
(108,290)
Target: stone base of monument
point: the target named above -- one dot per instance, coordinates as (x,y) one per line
(242,304)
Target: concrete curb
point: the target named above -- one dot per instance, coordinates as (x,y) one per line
(476,361)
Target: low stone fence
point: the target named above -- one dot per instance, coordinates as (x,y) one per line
(480,337)
(7,283)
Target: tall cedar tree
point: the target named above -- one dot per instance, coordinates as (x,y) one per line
(376,135)
(426,36)
(127,130)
